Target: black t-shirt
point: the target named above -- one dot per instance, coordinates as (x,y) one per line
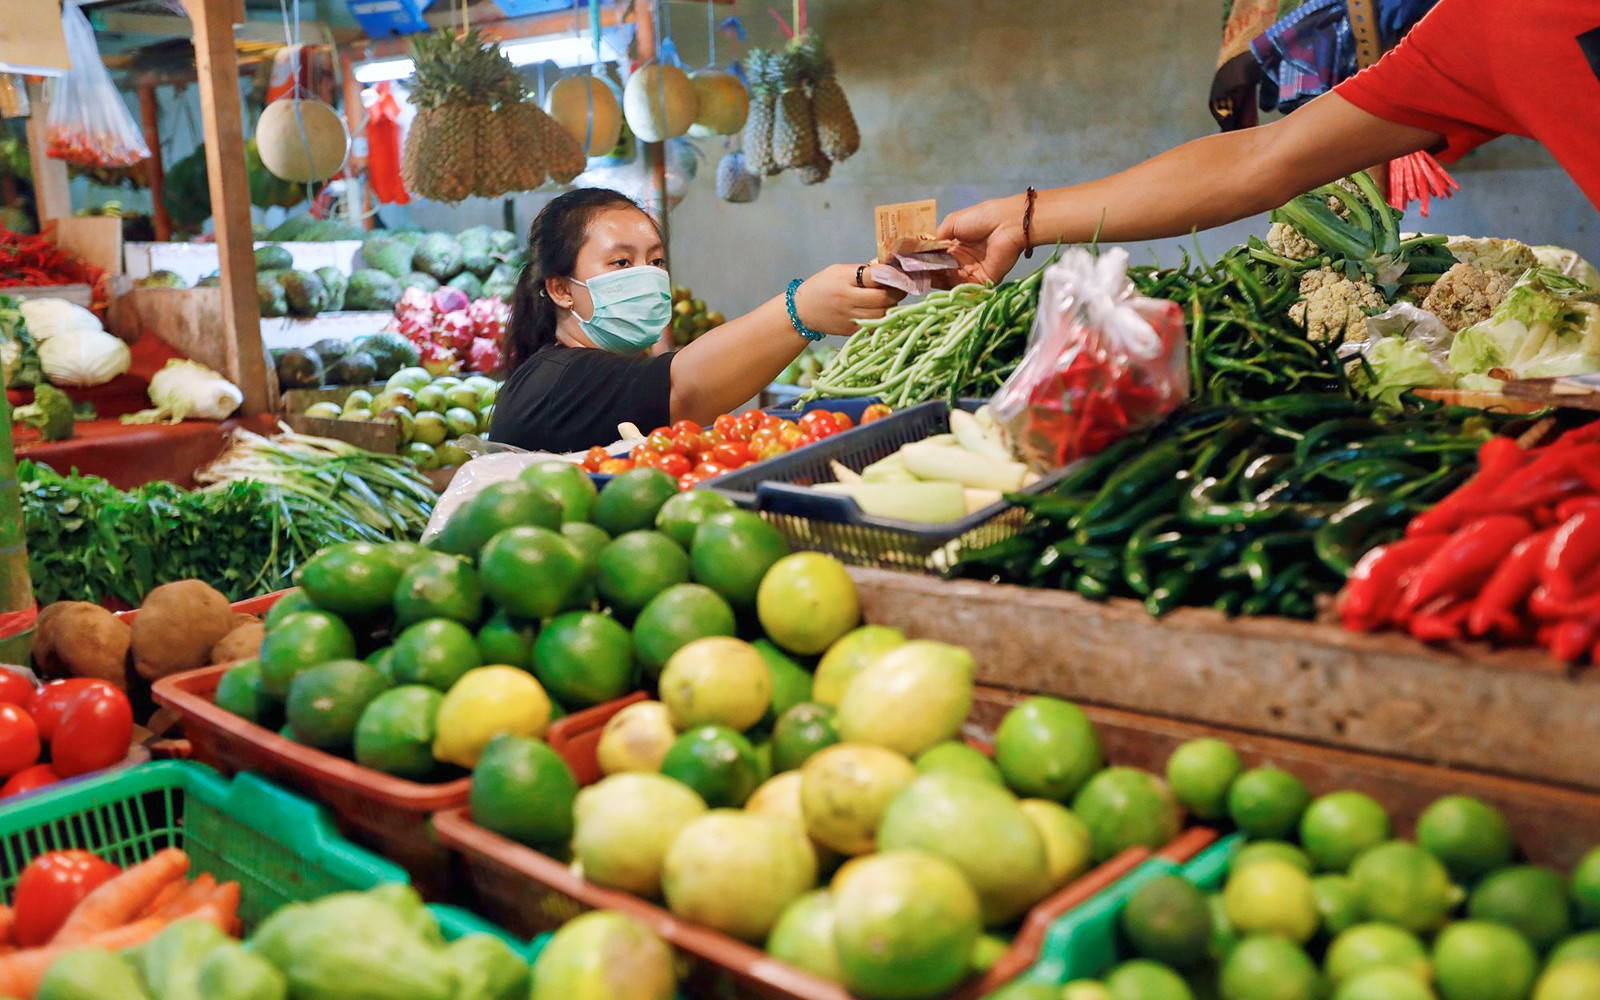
(572,398)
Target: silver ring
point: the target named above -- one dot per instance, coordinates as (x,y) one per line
(861,270)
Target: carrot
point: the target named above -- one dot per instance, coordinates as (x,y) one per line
(20,972)
(118,901)
(168,892)
(226,899)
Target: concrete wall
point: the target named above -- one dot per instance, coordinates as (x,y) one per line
(962,100)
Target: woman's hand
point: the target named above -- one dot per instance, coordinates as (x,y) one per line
(832,302)
(989,237)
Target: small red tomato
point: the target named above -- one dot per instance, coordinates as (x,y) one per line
(688,482)
(877,411)
(751,421)
(684,428)
(674,465)
(763,436)
(593,457)
(50,702)
(19,739)
(615,466)
(819,424)
(689,443)
(638,451)
(731,455)
(28,779)
(726,428)
(14,687)
(93,734)
(771,449)
(790,434)
(50,887)
(806,439)
(661,441)
(708,470)
(842,419)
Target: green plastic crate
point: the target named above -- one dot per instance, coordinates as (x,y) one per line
(279,847)
(1083,943)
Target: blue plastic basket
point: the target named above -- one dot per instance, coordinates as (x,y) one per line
(837,526)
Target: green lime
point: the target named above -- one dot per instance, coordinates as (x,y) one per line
(801,732)
(588,541)
(718,763)
(522,789)
(1086,989)
(807,602)
(1585,945)
(495,508)
(631,500)
(1268,967)
(295,599)
(438,586)
(1271,897)
(383,660)
(1374,946)
(567,483)
(1125,807)
(436,653)
(636,567)
(1340,825)
(1401,884)
(326,701)
(395,733)
(1017,989)
(1047,748)
(953,755)
(1383,984)
(1224,936)
(1469,836)
(1478,960)
(1142,979)
(1266,802)
(1200,772)
(1168,919)
(1279,850)
(1578,979)
(1529,898)
(1586,888)
(1338,904)
(503,639)
(584,658)
(676,617)
(303,639)
(682,514)
(989,950)
(353,579)
(791,683)
(242,692)
(732,551)
(1067,842)
(854,652)
(530,572)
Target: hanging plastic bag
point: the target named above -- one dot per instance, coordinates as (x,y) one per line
(1102,362)
(89,124)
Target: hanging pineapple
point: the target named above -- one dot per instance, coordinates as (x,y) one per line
(794,130)
(758,126)
(563,154)
(837,132)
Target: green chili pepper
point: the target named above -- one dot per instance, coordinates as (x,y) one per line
(1131,483)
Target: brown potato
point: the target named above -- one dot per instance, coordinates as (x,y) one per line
(240,619)
(177,626)
(79,639)
(243,643)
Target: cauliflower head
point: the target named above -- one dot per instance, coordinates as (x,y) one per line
(1287,241)
(1332,304)
(1466,294)
(1512,258)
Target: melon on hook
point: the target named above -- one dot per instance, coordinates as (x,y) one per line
(659,102)
(315,155)
(586,106)
(723,103)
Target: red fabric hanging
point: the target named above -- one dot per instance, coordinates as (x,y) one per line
(383,148)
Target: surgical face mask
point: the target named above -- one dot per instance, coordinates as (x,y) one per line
(631,308)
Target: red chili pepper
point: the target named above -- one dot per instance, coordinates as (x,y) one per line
(1498,458)
(1465,562)
(1443,620)
(1567,508)
(1573,637)
(1573,555)
(1555,475)
(1497,606)
(1379,578)
(1546,606)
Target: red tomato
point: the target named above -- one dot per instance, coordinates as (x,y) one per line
(593,457)
(662,441)
(731,455)
(637,452)
(727,428)
(684,428)
(19,739)
(770,449)
(842,419)
(688,444)
(790,434)
(877,411)
(688,482)
(711,437)
(806,439)
(50,702)
(93,734)
(14,687)
(50,887)
(674,465)
(751,421)
(708,470)
(819,424)
(615,466)
(765,435)
(27,779)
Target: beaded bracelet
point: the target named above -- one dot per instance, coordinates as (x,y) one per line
(794,317)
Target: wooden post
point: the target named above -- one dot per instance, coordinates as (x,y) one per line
(52,198)
(217,64)
(155,171)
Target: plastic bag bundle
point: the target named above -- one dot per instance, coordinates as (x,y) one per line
(1102,362)
(89,124)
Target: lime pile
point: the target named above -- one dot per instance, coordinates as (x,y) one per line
(1323,903)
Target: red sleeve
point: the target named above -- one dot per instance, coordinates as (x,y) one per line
(1436,79)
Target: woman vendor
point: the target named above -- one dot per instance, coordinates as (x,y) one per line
(593,299)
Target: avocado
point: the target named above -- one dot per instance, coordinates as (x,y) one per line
(438,255)
(480,263)
(330,350)
(390,352)
(411,237)
(426,282)
(305,292)
(333,284)
(467,283)
(162,279)
(388,254)
(270,296)
(372,289)
(211,280)
(273,258)
(355,368)
(502,241)
(329,230)
(290,228)
(300,368)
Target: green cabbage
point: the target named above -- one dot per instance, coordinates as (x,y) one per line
(1544,327)
(1568,262)
(1396,366)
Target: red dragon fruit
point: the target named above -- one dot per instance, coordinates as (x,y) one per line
(439,360)
(454,331)
(449,300)
(489,317)
(484,355)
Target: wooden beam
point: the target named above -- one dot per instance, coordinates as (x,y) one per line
(155,171)
(500,30)
(216,61)
(52,198)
